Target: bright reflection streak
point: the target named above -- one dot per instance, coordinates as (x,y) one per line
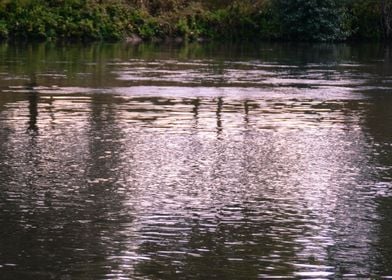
(169,168)
(293,170)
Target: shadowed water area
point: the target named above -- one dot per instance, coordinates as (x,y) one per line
(195,162)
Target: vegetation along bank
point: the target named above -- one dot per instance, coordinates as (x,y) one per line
(296,20)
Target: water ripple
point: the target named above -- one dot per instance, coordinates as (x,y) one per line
(152,166)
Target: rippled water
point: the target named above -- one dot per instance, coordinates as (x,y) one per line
(195,162)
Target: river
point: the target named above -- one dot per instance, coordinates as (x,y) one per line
(196,161)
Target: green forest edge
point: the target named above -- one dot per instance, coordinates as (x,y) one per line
(196,20)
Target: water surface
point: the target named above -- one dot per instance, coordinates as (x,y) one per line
(195,162)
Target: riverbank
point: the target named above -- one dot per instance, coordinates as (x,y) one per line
(91,20)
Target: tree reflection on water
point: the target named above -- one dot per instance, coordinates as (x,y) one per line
(136,172)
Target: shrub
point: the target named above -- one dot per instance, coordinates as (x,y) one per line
(3,30)
(304,20)
(364,19)
(312,20)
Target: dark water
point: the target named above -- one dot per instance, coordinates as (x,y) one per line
(195,162)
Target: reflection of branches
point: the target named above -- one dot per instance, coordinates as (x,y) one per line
(219,116)
(33,112)
(246,117)
(211,246)
(33,105)
(196,105)
(385,243)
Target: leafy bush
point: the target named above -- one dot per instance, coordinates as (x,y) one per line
(365,19)
(3,30)
(78,19)
(312,20)
(305,20)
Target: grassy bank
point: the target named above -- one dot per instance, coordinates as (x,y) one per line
(305,20)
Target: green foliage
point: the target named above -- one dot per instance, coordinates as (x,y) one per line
(305,20)
(386,18)
(365,19)
(73,19)
(238,21)
(3,30)
(312,20)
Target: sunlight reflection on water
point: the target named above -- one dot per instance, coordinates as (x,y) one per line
(200,168)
